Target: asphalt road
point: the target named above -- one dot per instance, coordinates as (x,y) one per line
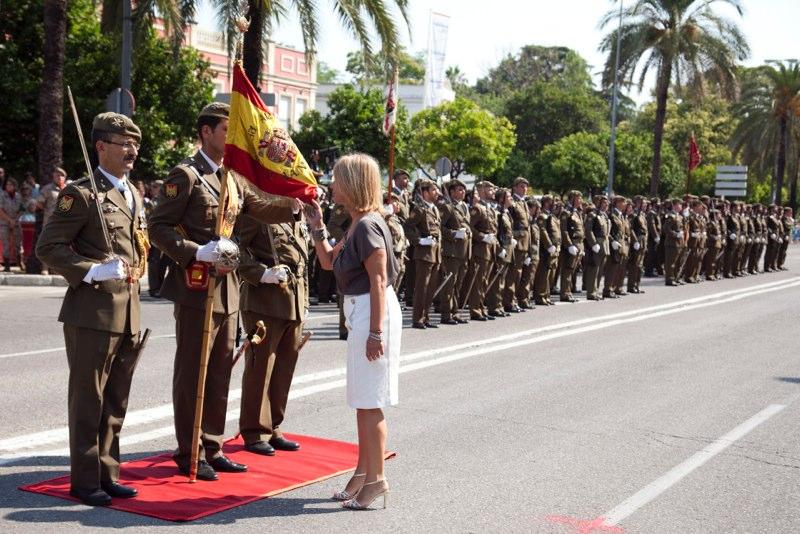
(671,411)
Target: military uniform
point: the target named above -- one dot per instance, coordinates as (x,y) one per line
(456,252)
(483,222)
(674,243)
(529,264)
(549,236)
(714,246)
(185,219)
(652,264)
(615,263)
(774,241)
(424,221)
(338,223)
(572,235)
(734,232)
(399,246)
(597,250)
(639,235)
(269,369)
(696,245)
(101,318)
(503,261)
(788,226)
(514,295)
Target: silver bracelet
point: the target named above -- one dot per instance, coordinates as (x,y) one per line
(376,336)
(319,235)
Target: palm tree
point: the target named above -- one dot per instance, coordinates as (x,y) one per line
(769,111)
(359,17)
(51,91)
(684,41)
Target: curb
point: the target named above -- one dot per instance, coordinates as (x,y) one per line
(32,280)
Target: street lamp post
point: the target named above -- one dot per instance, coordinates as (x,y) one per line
(614,103)
(124,102)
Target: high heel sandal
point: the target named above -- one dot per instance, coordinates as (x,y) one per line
(344,495)
(353,503)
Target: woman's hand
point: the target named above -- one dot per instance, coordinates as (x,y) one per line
(313,213)
(374,349)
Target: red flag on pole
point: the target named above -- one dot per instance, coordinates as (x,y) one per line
(390,116)
(694,154)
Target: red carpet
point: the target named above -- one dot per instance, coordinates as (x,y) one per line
(165,494)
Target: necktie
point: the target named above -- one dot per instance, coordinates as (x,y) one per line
(126,192)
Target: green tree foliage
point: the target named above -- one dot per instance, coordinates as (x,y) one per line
(353,124)
(683,41)
(326,73)
(169,92)
(475,140)
(378,70)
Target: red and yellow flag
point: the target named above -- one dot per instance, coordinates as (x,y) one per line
(258,148)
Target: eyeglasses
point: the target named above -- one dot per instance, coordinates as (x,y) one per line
(127,145)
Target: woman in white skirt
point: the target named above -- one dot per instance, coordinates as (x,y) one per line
(364,268)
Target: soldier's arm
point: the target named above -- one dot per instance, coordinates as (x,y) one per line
(566,239)
(415,218)
(54,246)
(544,236)
(168,214)
(270,209)
(447,217)
(250,268)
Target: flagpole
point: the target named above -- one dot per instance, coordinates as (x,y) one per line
(391,159)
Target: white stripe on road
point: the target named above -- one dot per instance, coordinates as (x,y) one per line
(674,475)
(165,411)
(160,336)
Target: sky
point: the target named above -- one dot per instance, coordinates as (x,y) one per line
(482,33)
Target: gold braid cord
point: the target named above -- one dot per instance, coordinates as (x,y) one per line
(142,244)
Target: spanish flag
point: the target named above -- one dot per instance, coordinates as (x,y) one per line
(258,148)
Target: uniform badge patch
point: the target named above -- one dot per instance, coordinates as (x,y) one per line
(171,190)
(65,203)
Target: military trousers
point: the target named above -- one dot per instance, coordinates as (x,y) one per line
(595,263)
(782,250)
(614,273)
(771,255)
(189,334)
(494,292)
(569,264)
(101,366)
(451,292)
(543,278)
(426,278)
(479,275)
(268,372)
(672,257)
(513,279)
(526,280)
(651,258)
(635,264)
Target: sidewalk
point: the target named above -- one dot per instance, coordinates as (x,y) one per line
(22,279)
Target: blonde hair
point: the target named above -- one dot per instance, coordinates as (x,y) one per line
(358,177)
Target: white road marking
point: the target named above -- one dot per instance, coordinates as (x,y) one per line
(148,415)
(674,475)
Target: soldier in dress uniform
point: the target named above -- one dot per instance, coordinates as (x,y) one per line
(338,223)
(787,221)
(423,229)
(513,298)
(483,222)
(652,257)
(774,239)
(597,247)
(400,190)
(572,236)
(504,256)
(640,241)
(456,250)
(734,226)
(399,241)
(101,307)
(619,242)
(274,260)
(549,243)
(674,242)
(696,242)
(183,226)
(531,260)
(714,245)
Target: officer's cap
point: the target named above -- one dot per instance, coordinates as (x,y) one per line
(520,180)
(452,184)
(401,172)
(424,183)
(216,109)
(115,123)
(638,198)
(655,200)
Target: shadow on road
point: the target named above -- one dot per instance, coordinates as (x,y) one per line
(789,379)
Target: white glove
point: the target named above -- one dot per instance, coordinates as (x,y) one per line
(551,249)
(527,261)
(695,234)
(657,239)
(208,252)
(596,248)
(489,238)
(786,239)
(110,270)
(274,275)
(426,241)
(636,246)
(774,237)
(680,234)
(749,239)
(514,242)
(503,253)
(461,233)
(733,237)
(615,245)
(573,250)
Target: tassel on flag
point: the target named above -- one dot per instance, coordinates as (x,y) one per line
(694,154)
(259,149)
(390,117)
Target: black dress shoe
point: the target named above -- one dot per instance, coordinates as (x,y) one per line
(283,444)
(568,299)
(478,318)
(260,447)
(512,309)
(224,464)
(429,325)
(92,497)
(343,336)
(459,320)
(116,489)
(592,297)
(496,314)
(490,318)
(419,326)
(671,284)
(525,306)
(204,471)
(448,321)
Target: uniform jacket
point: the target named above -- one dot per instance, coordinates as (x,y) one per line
(281,301)
(639,232)
(455,217)
(399,241)
(425,221)
(521,223)
(185,219)
(505,230)
(653,226)
(73,240)
(338,221)
(620,232)
(549,233)
(572,229)
(483,221)
(597,229)
(673,223)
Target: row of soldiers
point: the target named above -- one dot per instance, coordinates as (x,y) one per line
(496,251)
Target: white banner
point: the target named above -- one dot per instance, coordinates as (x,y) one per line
(435,91)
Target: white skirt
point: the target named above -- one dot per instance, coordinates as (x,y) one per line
(372,384)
